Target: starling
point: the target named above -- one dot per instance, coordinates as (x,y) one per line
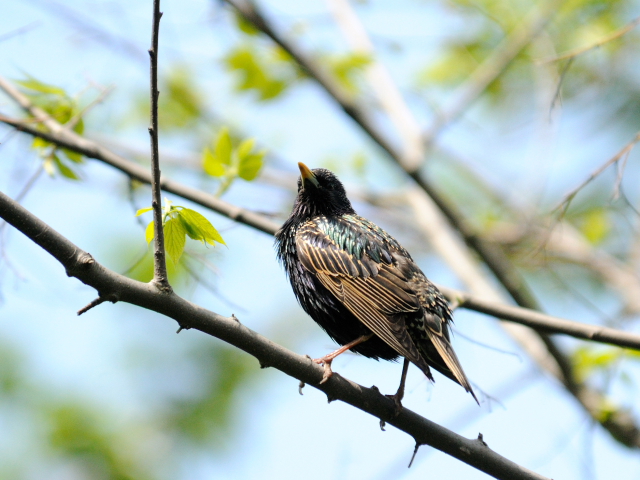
(361,286)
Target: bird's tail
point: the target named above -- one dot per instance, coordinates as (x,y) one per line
(449,365)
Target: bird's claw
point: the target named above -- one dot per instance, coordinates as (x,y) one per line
(327,368)
(397,399)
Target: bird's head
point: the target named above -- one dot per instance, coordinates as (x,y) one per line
(320,193)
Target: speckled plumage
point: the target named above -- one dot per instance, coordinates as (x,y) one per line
(353,278)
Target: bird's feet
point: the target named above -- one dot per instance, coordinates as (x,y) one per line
(397,399)
(326,363)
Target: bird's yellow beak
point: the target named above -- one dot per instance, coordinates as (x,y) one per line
(307,175)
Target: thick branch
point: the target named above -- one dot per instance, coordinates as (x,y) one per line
(81,265)
(159,257)
(524,316)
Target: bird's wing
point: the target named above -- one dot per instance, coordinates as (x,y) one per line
(375,292)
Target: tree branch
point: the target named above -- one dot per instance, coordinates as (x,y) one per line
(71,140)
(571,54)
(542,322)
(563,206)
(109,284)
(160,278)
(523,316)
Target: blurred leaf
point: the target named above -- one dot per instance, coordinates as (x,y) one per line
(223,147)
(149,232)
(347,69)
(198,227)
(39,143)
(249,164)
(595,225)
(81,435)
(245,148)
(180,103)
(175,237)
(143,210)
(10,375)
(587,360)
(41,87)
(75,157)
(212,166)
(211,415)
(63,169)
(255,73)
(245,26)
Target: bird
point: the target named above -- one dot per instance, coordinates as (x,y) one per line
(361,286)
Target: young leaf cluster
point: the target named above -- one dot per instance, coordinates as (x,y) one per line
(347,69)
(224,161)
(177,223)
(268,71)
(64,109)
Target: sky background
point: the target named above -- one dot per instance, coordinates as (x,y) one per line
(126,361)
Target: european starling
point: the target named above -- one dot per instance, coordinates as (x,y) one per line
(360,285)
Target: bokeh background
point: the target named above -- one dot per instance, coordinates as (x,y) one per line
(116,394)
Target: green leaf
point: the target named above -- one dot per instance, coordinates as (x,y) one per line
(223,147)
(250,166)
(75,157)
(211,164)
(149,233)
(244,149)
(263,73)
(595,225)
(79,127)
(39,143)
(587,360)
(199,228)
(38,86)
(245,26)
(175,237)
(347,67)
(63,169)
(143,210)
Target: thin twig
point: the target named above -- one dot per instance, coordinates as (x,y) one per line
(566,200)
(99,99)
(495,65)
(160,278)
(19,31)
(579,51)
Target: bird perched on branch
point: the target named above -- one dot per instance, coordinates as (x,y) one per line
(361,286)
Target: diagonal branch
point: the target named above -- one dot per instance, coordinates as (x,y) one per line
(563,206)
(109,284)
(571,54)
